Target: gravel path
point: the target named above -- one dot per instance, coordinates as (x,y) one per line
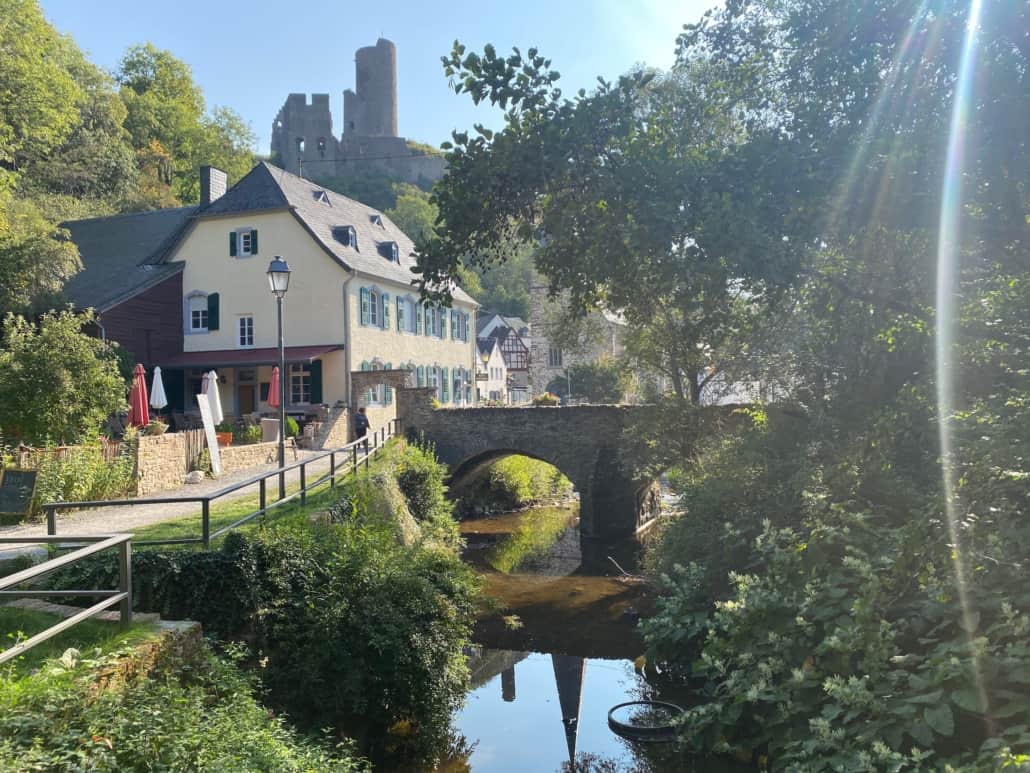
(129,517)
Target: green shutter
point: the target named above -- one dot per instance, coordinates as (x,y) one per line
(429,319)
(364,307)
(386,311)
(212,311)
(387,389)
(316,382)
(443,322)
(454,323)
(420,376)
(232,244)
(253,241)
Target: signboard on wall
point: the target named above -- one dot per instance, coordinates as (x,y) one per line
(209,432)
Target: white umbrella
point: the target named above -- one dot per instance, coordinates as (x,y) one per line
(158,400)
(216,400)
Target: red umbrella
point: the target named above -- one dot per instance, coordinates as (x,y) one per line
(139,411)
(273,389)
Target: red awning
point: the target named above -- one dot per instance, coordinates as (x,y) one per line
(226,358)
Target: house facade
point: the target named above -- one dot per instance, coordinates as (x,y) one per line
(350,306)
(513,339)
(491,372)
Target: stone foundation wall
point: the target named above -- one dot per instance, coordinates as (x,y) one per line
(336,431)
(160,463)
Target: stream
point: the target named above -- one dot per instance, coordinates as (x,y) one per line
(553,651)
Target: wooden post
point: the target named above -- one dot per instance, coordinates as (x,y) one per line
(125,582)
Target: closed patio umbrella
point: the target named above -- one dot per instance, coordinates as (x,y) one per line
(273,389)
(216,399)
(139,413)
(158,399)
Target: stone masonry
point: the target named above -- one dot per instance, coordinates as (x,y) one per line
(302,133)
(583,442)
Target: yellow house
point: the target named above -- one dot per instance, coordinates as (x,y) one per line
(350,306)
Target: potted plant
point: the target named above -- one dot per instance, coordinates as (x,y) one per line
(156,427)
(223,433)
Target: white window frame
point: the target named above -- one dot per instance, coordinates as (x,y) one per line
(375,307)
(240,326)
(245,236)
(299,370)
(202,298)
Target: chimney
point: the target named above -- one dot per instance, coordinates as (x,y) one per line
(212,184)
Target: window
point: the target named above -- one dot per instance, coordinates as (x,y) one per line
(201,312)
(245,327)
(243,242)
(377,220)
(375,299)
(554,357)
(346,235)
(300,384)
(375,307)
(395,252)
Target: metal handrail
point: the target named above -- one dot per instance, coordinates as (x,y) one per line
(378,440)
(122,596)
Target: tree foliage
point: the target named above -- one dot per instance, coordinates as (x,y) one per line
(56,383)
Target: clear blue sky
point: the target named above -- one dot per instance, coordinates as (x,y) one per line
(250,55)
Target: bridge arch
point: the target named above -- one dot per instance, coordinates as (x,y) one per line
(584,442)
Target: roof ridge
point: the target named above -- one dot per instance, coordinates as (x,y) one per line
(126,215)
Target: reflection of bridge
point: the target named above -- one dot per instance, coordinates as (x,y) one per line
(584,442)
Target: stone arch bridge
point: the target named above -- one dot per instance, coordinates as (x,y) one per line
(587,443)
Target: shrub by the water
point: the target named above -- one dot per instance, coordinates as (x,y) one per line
(200,715)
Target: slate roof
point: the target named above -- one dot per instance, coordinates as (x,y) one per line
(121,254)
(323,211)
(486,346)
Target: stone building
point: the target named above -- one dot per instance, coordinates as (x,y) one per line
(303,142)
(600,337)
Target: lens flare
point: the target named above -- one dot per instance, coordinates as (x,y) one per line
(948,267)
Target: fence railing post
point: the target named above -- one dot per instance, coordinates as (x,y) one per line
(263,494)
(332,470)
(51,521)
(125,581)
(205,522)
(303,484)
(354,459)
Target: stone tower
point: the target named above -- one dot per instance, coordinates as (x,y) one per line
(371,109)
(302,134)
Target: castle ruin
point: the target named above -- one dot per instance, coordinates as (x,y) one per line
(302,134)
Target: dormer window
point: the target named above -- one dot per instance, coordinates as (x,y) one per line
(322,197)
(391,251)
(377,220)
(346,235)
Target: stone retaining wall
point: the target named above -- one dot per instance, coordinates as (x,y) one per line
(160,463)
(161,460)
(236,458)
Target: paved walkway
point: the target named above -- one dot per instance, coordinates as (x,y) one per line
(129,517)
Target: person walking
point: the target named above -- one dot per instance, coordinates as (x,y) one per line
(361,426)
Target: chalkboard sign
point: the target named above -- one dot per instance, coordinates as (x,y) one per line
(16,489)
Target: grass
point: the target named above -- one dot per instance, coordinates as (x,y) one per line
(225,513)
(19,624)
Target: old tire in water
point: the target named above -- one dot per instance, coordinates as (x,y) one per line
(661,731)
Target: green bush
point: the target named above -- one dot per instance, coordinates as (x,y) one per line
(80,473)
(420,478)
(546,399)
(292,427)
(197,716)
(355,630)
(513,483)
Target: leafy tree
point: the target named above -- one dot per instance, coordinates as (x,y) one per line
(602,381)
(169,129)
(413,212)
(36,259)
(37,95)
(56,383)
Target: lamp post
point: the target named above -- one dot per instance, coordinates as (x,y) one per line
(279,282)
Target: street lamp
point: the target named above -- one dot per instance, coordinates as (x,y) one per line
(278,283)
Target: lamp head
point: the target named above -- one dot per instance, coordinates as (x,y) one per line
(278,276)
